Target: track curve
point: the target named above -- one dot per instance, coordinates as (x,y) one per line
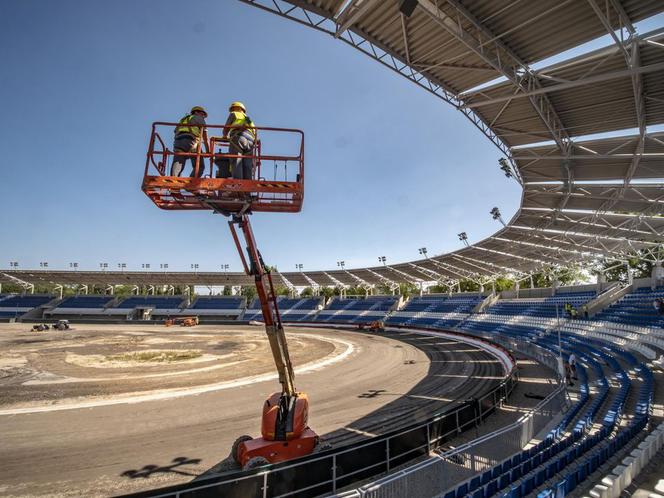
(389,380)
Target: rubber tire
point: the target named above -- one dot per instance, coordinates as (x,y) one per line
(254,462)
(236,445)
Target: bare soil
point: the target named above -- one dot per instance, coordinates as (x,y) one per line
(108,360)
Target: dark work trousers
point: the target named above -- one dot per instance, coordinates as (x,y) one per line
(242,167)
(186,143)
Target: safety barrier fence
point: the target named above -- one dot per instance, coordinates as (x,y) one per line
(331,470)
(452,467)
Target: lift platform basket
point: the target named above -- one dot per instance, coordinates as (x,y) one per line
(206,180)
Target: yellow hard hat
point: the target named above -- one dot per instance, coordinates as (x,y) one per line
(238,104)
(198,108)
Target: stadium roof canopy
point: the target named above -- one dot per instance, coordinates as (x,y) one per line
(576,134)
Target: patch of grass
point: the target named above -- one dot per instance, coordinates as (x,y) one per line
(155,356)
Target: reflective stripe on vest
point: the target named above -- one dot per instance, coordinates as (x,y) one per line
(190,130)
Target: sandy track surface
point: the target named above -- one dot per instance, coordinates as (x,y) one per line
(388,379)
(98,361)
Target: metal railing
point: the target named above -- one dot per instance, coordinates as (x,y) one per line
(329,471)
(274,179)
(448,469)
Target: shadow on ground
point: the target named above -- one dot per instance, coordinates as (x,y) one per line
(173,468)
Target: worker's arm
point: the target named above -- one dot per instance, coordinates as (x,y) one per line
(200,121)
(229,121)
(206,140)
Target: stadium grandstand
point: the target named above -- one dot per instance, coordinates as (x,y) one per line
(582,137)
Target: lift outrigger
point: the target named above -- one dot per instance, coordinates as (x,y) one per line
(285,433)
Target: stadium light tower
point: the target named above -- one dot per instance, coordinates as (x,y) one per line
(194,266)
(463,237)
(299,266)
(163,266)
(342,264)
(103,266)
(13,264)
(145,266)
(505,167)
(122,266)
(383,260)
(224,267)
(495,214)
(43,264)
(74,266)
(423,251)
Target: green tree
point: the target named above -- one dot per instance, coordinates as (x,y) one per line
(504,283)
(307,292)
(439,289)
(249,292)
(280,290)
(641,268)
(469,286)
(329,292)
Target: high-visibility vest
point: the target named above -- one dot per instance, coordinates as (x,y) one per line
(241,119)
(191,130)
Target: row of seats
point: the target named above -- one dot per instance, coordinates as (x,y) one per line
(291,309)
(636,308)
(218,303)
(373,303)
(356,310)
(543,307)
(24,302)
(81,302)
(165,302)
(574,466)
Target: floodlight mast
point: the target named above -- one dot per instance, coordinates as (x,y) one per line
(285,414)
(495,214)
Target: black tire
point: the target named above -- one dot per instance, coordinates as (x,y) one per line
(236,445)
(258,461)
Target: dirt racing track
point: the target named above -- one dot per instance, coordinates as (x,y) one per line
(110,409)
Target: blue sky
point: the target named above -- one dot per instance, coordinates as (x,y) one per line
(390,168)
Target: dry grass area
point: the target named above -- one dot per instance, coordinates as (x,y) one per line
(155,356)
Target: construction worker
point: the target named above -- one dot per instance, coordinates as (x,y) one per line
(187,139)
(241,133)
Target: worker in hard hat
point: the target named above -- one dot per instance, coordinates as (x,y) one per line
(187,139)
(241,133)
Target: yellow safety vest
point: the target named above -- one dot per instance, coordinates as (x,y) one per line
(191,130)
(241,119)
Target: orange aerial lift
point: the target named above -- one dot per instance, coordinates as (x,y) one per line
(285,433)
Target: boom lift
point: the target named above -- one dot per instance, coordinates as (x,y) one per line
(285,433)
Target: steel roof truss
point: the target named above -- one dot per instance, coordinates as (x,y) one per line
(437,277)
(499,56)
(391,284)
